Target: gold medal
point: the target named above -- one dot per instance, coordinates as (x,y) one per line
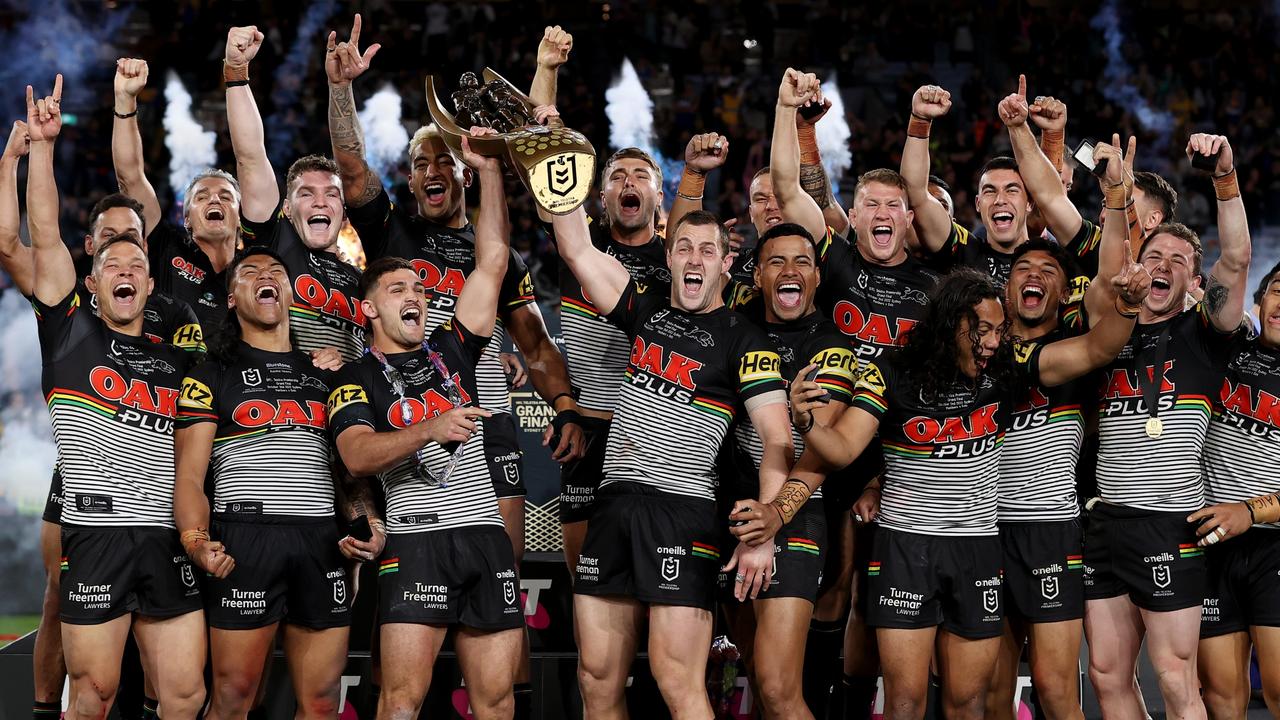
(1154,427)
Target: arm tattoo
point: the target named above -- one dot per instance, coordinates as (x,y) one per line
(813,180)
(1215,296)
(348,143)
(790,499)
(357,496)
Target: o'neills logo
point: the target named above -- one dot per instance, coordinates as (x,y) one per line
(260,413)
(1162,557)
(671,551)
(134,393)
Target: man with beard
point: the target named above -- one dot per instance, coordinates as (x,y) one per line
(941,405)
(1143,571)
(652,543)
(188,263)
(271,553)
(1239,458)
(112,399)
(772,630)
(408,412)
(1002,200)
(303,229)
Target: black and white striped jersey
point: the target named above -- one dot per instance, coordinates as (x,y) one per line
(688,377)
(596,351)
(271,449)
(1243,446)
(808,340)
(326,291)
(182,271)
(1161,474)
(363,395)
(444,257)
(112,399)
(1042,447)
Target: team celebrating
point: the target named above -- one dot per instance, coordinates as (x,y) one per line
(872,434)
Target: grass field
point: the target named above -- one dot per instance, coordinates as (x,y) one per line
(13,627)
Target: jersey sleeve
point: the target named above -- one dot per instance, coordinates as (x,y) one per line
(65,324)
(349,403)
(872,389)
(837,366)
(198,400)
(266,233)
(372,223)
(631,306)
(182,327)
(1085,245)
(759,369)
(957,241)
(458,343)
(517,286)
(1026,361)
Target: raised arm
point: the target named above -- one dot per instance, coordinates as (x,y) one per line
(703,153)
(342,64)
(1117,192)
(797,89)
(603,278)
(1066,360)
(1038,172)
(934,222)
(55,274)
(553,51)
(813,176)
(126,141)
(15,257)
(261,192)
(1225,293)
(478,303)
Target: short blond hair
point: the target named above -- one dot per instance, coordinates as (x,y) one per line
(425,133)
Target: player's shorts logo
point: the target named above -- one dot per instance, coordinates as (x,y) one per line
(188,577)
(252,377)
(991,599)
(340,591)
(670,568)
(509,592)
(1049,587)
(512,473)
(1161,575)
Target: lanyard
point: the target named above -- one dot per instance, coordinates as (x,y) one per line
(1151,384)
(393,376)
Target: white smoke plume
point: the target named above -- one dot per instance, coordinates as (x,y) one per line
(385,139)
(833,135)
(630,112)
(191,147)
(1116,86)
(27,451)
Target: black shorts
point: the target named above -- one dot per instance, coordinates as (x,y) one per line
(462,576)
(108,572)
(650,545)
(1150,556)
(288,570)
(53,503)
(1043,570)
(919,581)
(503,455)
(580,479)
(799,553)
(1243,582)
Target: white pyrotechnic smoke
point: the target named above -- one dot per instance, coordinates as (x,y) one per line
(27,452)
(385,139)
(630,112)
(191,147)
(1116,85)
(833,135)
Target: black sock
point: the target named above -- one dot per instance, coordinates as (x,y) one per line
(149,707)
(523,692)
(46,711)
(859,693)
(822,663)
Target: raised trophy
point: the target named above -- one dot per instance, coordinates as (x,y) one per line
(556,163)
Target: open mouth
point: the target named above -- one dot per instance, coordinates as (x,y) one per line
(692,284)
(1160,287)
(789,295)
(125,292)
(771,220)
(411,315)
(435,192)
(215,214)
(267,295)
(1032,295)
(629,202)
(882,235)
(319,222)
(1002,220)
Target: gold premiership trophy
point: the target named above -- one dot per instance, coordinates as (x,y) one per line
(557,164)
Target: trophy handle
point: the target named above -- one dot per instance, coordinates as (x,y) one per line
(490,75)
(452,132)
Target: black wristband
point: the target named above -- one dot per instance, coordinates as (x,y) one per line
(808,426)
(564,417)
(124,116)
(235,83)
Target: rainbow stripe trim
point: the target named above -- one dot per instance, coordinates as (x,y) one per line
(1189,550)
(704,550)
(873,568)
(803,545)
(60,396)
(390,565)
(714,407)
(1075,562)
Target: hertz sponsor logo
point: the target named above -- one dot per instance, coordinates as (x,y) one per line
(759,365)
(346,395)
